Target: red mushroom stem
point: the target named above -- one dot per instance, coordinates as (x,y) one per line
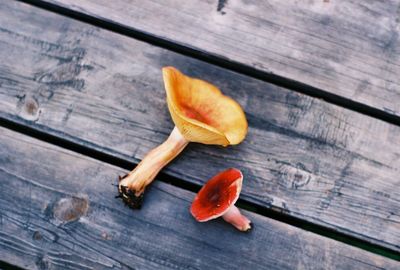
(234,217)
(132,185)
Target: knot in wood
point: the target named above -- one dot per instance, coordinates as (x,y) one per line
(70,209)
(29,108)
(37,236)
(295,177)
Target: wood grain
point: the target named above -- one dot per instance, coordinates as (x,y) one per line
(302,156)
(57,212)
(349,48)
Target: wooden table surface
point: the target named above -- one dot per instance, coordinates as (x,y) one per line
(82,101)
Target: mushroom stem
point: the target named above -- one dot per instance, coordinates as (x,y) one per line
(131,187)
(234,217)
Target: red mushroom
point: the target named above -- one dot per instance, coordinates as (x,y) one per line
(218,197)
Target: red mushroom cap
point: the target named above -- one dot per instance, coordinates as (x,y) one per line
(217,195)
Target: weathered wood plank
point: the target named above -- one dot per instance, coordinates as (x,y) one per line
(57,213)
(349,48)
(302,156)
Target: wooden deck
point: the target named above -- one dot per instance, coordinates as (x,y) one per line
(82,101)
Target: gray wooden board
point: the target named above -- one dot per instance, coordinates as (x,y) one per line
(57,212)
(302,156)
(349,48)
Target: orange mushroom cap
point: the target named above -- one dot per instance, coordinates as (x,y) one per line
(217,195)
(201,112)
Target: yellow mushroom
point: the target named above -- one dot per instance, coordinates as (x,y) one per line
(201,114)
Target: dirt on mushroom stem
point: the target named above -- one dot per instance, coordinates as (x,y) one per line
(129,197)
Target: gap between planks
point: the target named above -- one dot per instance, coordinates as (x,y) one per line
(220,61)
(7,266)
(93,151)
